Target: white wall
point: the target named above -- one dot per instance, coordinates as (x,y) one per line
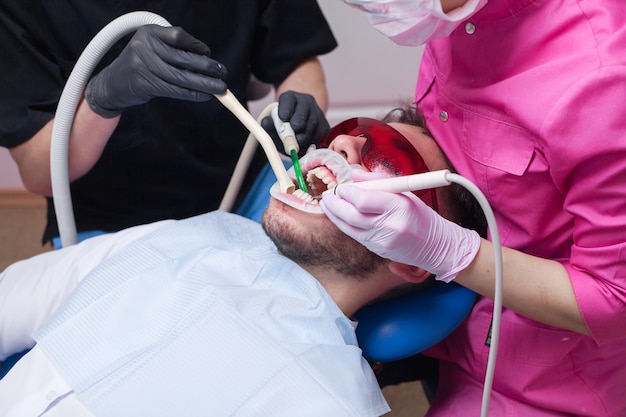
(367,75)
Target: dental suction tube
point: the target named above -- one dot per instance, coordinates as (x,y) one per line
(66,110)
(231,103)
(72,94)
(413,182)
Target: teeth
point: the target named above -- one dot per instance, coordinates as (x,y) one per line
(324,170)
(304,196)
(320,173)
(325,175)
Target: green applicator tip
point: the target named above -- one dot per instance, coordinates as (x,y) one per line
(298,171)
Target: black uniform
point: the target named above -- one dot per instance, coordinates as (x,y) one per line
(167,158)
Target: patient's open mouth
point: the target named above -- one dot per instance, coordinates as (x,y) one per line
(323,169)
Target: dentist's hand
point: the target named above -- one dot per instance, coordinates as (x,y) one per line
(402,228)
(157,62)
(306,118)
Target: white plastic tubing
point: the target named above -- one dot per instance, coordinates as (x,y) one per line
(72,95)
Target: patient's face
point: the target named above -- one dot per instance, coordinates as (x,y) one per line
(310,238)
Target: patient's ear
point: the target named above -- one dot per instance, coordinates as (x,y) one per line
(409,273)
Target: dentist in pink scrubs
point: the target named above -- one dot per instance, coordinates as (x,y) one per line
(526,98)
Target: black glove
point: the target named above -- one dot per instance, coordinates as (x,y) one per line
(157,62)
(305,117)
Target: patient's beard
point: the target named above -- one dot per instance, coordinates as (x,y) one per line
(322,247)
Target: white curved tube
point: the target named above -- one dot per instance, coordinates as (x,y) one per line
(245,158)
(229,100)
(64,117)
(401,184)
(497,296)
(72,94)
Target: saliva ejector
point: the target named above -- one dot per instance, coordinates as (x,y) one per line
(407,183)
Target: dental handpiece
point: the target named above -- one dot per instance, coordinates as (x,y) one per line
(285,132)
(413,182)
(288,137)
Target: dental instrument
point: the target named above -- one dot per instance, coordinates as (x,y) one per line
(413,182)
(241,167)
(288,137)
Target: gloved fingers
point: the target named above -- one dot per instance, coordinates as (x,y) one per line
(296,108)
(344,215)
(191,61)
(190,68)
(355,207)
(182,93)
(173,79)
(287,103)
(304,116)
(300,110)
(366,201)
(175,37)
(304,138)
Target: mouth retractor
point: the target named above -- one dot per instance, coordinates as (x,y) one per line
(324,170)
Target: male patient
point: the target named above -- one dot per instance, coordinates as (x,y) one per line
(216,315)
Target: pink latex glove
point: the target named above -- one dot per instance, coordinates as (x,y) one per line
(402,228)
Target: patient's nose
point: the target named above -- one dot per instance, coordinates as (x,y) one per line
(349,147)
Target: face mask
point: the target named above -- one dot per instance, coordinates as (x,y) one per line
(414,22)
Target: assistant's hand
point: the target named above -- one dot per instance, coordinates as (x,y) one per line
(306,118)
(402,228)
(157,62)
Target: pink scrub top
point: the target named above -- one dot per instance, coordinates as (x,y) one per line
(528,100)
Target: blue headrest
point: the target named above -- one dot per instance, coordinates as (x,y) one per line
(406,325)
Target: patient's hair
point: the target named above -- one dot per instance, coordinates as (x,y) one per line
(459,204)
